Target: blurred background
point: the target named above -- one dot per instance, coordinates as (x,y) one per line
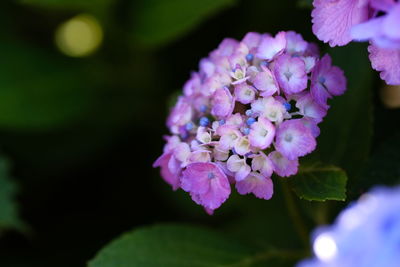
(85,88)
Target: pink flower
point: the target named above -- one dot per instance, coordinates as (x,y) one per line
(295,43)
(193,85)
(200,156)
(172,142)
(207,68)
(244,93)
(310,109)
(326,81)
(242,146)
(311,124)
(270,108)
(263,164)
(238,166)
(265,82)
(170,172)
(290,72)
(247,97)
(262,133)
(271,47)
(282,165)
(182,153)
(294,139)
(180,115)
(252,40)
(229,136)
(207,184)
(257,184)
(225,49)
(222,103)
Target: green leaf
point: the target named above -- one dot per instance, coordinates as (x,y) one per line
(157,21)
(170,245)
(346,132)
(8,207)
(319,182)
(41,90)
(180,246)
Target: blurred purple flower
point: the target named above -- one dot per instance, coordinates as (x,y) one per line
(366,234)
(377,21)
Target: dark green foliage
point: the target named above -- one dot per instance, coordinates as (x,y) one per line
(9,218)
(182,246)
(157,21)
(347,130)
(320,182)
(37,88)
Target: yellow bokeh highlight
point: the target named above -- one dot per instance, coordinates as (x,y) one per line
(79,36)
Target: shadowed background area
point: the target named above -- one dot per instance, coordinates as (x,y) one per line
(85,88)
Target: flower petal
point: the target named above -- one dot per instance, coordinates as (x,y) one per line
(391,24)
(262,164)
(207,183)
(265,81)
(222,103)
(333,19)
(386,61)
(271,47)
(310,109)
(171,178)
(244,93)
(262,133)
(290,72)
(283,166)
(261,186)
(294,139)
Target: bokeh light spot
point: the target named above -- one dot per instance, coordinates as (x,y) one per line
(80,36)
(325,247)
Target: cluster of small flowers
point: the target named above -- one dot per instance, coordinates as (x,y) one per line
(366,234)
(248,113)
(378,21)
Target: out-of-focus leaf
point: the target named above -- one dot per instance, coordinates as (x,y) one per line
(384,165)
(305,3)
(347,130)
(254,221)
(319,182)
(158,21)
(40,90)
(8,207)
(69,4)
(170,245)
(179,246)
(173,98)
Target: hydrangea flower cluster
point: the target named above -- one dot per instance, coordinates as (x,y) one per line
(366,234)
(248,113)
(378,21)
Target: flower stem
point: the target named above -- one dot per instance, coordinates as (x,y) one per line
(294,214)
